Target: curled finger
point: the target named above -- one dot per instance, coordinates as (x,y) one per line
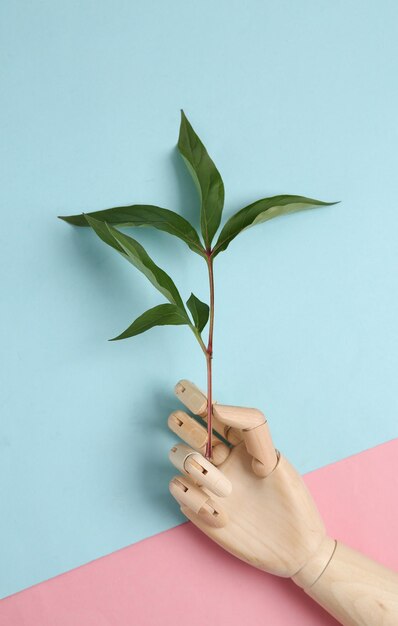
(200,470)
(194,500)
(196,401)
(256,435)
(195,435)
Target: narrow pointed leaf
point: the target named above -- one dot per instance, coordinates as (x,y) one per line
(261,211)
(206,177)
(144,215)
(102,230)
(161,315)
(137,255)
(199,310)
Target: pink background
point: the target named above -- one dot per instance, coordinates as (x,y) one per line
(180,577)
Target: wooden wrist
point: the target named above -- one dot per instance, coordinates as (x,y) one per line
(356,590)
(316,565)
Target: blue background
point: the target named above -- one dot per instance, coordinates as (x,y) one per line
(289,97)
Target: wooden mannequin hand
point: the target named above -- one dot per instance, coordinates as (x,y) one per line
(250,501)
(253,503)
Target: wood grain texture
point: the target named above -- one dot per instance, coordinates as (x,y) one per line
(195,435)
(356,590)
(270,521)
(196,401)
(273,522)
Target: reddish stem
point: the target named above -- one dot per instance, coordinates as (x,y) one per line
(209,357)
(209,451)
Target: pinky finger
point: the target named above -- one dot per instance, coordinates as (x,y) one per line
(193,499)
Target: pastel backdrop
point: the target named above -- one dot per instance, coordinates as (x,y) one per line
(289,98)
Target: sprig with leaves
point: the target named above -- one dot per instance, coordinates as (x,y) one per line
(194,314)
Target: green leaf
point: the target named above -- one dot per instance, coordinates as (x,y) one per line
(144,215)
(261,211)
(161,315)
(103,232)
(137,255)
(206,177)
(199,310)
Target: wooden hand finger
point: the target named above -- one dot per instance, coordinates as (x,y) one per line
(256,435)
(195,435)
(200,470)
(196,502)
(196,401)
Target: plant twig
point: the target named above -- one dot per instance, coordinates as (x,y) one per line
(209,357)
(211,192)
